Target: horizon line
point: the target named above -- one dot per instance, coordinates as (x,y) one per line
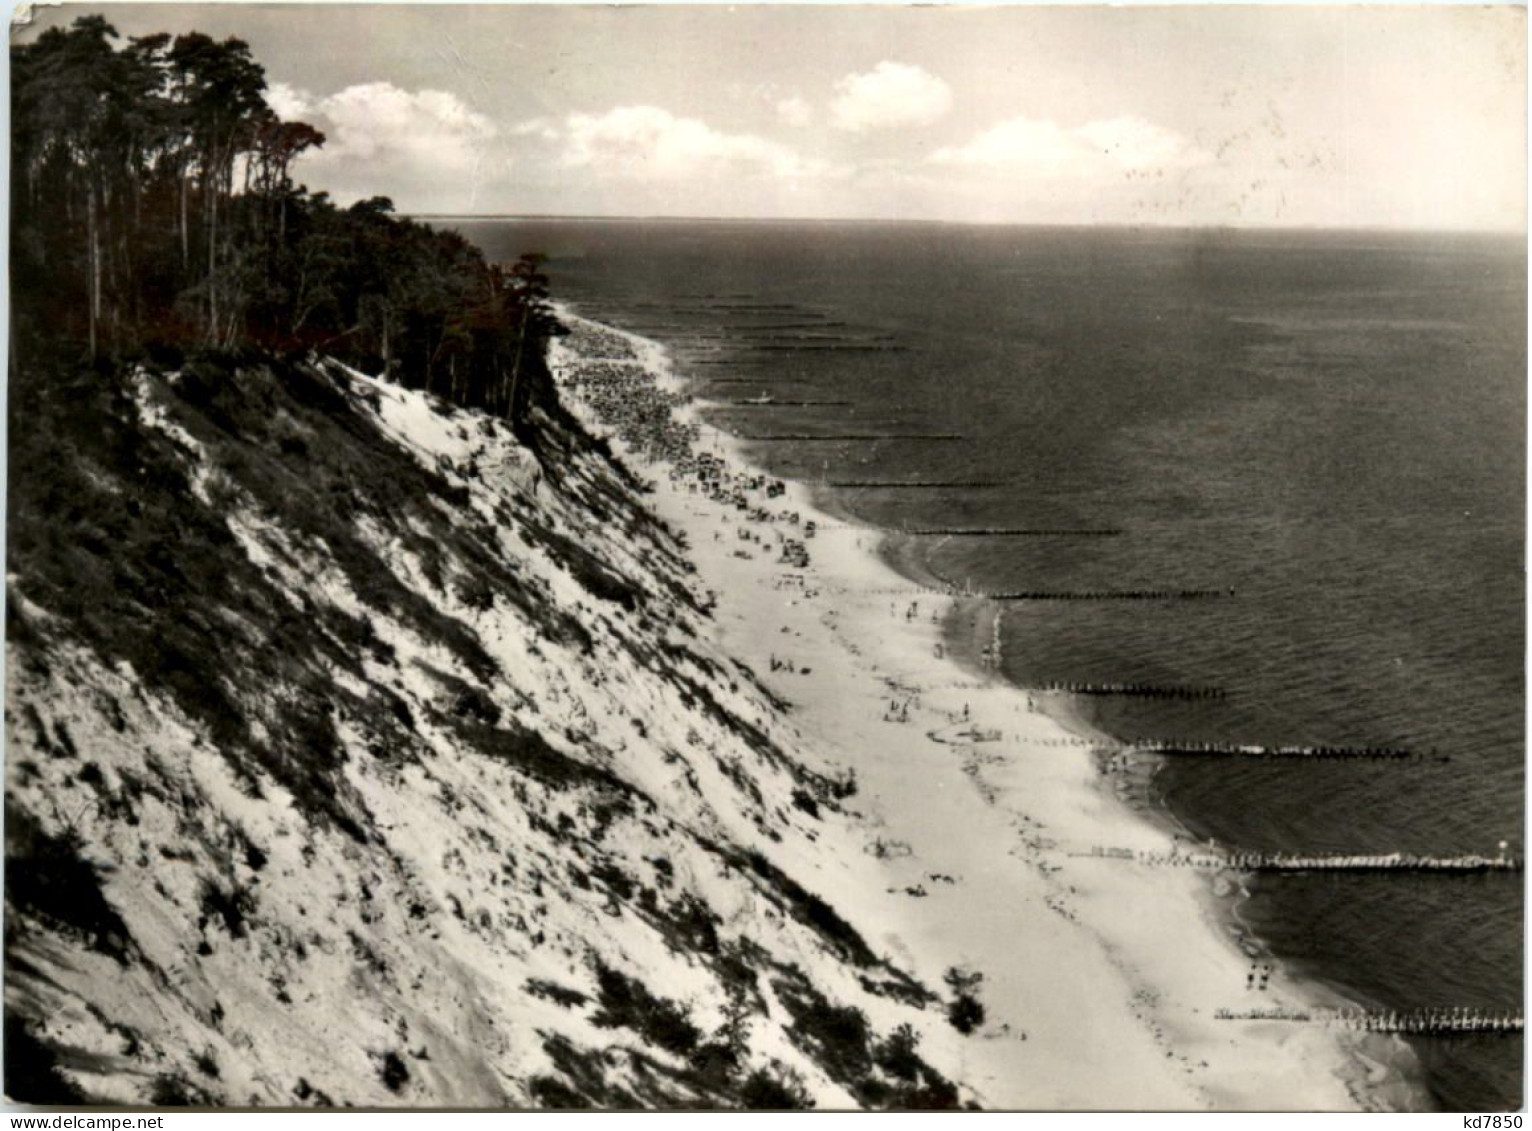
(1115,224)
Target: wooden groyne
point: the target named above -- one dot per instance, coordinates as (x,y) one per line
(815,347)
(1321,753)
(1138,690)
(1393,862)
(1215,861)
(1447,1022)
(1286,862)
(786,404)
(753,382)
(1008,532)
(1115,595)
(913,485)
(1231,750)
(964,591)
(763,331)
(799,437)
(758,379)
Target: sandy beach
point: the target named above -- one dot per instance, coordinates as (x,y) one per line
(983,835)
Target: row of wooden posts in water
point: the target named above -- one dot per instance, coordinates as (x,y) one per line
(783,404)
(1007,532)
(962,591)
(841,437)
(1440,1022)
(1321,752)
(1466,863)
(912,484)
(1059,594)
(1242,861)
(1134,690)
(1110,595)
(1180,747)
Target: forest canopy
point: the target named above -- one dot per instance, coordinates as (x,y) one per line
(153,208)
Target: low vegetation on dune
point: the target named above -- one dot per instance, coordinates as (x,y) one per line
(364,742)
(338,773)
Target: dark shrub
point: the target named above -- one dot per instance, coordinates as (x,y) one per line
(966,1014)
(627,1003)
(781,1090)
(48,875)
(553,1093)
(812,911)
(552,991)
(897,1056)
(32,1074)
(394,1073)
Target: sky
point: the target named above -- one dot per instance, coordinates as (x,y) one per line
(1328,116)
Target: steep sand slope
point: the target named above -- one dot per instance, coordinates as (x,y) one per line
(356,756)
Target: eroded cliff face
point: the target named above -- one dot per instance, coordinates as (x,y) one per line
(360,754)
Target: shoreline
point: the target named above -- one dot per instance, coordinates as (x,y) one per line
(995,830)
(1393,1076)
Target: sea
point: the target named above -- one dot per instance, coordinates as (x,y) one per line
(1302,456)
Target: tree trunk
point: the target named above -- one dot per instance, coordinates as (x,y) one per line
(92,224)
(521,342)
(212,250)
(185,244)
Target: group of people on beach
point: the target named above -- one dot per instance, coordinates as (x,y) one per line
(613,381)
(622,392)
(1259,976)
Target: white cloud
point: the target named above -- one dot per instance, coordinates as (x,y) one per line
(1136,144)
(543,129)
(890,95)
(424,148)
(390,129)
(1019,143)
(1116,146)
(289,103)
(379,121)
(650,143)
(795,111)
